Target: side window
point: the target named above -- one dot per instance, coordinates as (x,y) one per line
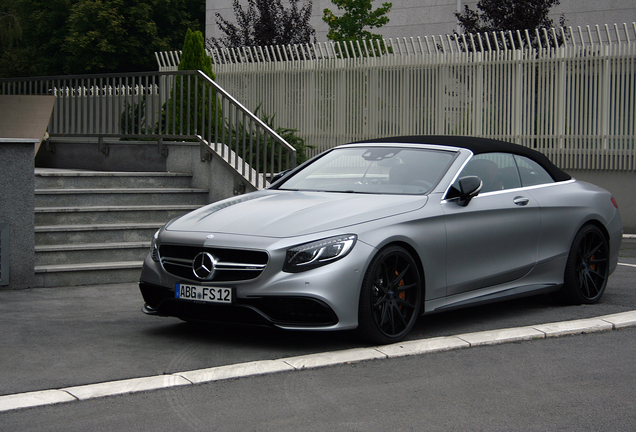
(497,171)
(531,172)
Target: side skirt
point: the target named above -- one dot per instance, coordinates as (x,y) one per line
(485,296)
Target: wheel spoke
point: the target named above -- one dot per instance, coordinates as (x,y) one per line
(379,302)
(598,274)
(400,276)
(384,314)
(405,288)
(406,304)
(391,317)
(398,313)
(592,288)
(593,250)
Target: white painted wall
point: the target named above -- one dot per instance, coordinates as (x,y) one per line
(434,17)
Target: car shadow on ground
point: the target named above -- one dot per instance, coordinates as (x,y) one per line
(478,318)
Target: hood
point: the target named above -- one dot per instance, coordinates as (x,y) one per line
(273,213)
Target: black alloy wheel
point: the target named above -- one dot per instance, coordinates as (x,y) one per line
(587,268)
(390,297)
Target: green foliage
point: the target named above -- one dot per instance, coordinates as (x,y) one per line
(503,15)
(110,35)
(37,51)
(193,55)
(290,136)
(133,118)
(10,29)
(358,16)
(189,105)
(266,22)
(266,145)
(92,36)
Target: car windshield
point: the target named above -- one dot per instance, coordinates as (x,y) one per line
(377,170)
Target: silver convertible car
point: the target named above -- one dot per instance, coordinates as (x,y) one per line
(370,235)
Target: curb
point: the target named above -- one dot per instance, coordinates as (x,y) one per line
(263,367)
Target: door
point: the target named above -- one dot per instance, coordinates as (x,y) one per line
(494,239)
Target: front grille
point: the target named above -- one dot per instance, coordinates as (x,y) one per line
(232,265)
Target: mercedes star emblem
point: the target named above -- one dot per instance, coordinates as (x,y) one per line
(203,266)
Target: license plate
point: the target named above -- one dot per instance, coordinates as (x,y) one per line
(204,294)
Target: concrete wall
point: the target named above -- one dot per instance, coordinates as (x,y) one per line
(16,210)
(221,180)
(622,184)
(144,156)
(86,154)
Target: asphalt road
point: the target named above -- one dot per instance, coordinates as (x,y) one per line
(54,338)
(574,383)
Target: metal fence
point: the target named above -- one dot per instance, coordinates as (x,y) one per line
(569,92)
(181,106)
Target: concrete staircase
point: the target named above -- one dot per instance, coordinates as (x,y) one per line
(95,227)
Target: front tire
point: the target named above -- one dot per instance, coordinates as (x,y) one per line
(390,297)
(587,268)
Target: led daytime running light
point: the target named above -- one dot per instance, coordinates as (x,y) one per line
(318,253)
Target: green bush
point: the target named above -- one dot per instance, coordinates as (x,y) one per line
(255,159)
(188,89)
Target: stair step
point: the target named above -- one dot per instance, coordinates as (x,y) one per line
(95,233)
(109,214)
(94,228)
(56,179)
(87,274)
(90,253)
(120,196)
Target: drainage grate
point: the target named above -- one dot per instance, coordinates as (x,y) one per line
(4,254)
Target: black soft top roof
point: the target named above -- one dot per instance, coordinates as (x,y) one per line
(479,146)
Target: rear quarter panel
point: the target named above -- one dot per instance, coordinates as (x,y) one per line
(565,208)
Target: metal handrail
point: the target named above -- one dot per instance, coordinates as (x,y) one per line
(176,105)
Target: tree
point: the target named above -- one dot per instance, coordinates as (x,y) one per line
(10,29)
(37,51)
(122,36)
(110,35)
(504,15)
(188,89)
(266,22)
(357,17)
(90,36)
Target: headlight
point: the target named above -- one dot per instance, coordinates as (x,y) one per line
(154,251)
(318,253)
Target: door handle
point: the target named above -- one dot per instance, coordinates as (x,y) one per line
(521,201)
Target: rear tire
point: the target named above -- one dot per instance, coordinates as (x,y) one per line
(587,267)
(390,297)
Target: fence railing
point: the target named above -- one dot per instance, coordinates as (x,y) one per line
(569,93)
(181,106)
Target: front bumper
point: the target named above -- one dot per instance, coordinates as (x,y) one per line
(275,311)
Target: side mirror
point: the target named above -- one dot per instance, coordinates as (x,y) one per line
(469,187)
